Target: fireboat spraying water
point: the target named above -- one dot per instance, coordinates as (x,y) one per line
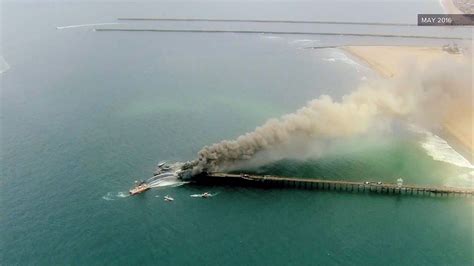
(165,175)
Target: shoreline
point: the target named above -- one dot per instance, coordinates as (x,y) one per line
(387,62)
(457,145)
(449,7)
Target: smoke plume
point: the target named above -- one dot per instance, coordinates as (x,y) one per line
(424,97)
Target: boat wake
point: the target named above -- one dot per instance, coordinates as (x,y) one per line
(201,195)
(86,25)
(115,195)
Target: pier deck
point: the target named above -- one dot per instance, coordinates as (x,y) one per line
(337,185)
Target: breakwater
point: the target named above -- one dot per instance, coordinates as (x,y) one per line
(267,21)
(281,33)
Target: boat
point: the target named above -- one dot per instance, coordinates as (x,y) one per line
(203,195)
(246,177)
(139,188)
(168,198)
(159,168)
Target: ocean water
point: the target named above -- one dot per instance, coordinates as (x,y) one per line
(84,114)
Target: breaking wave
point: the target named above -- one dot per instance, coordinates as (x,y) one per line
(440,150)
(338,56)
(305,42)
(271,37)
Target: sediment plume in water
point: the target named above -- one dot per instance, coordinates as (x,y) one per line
(422,97)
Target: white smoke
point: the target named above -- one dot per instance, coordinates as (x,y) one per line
(421,97)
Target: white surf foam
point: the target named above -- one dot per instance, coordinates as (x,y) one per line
(337,56)
(85,25)
(168,177)
(167,182)
(305,42)
(115,195)
(440,150)
(271,37)
(200,195)
(4,66)
(122,194)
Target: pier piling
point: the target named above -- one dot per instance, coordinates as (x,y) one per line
(335,185)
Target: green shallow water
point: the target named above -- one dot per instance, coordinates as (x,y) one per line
(84,114)
(372,160)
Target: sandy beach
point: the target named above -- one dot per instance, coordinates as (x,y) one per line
(389,62)
(450,7)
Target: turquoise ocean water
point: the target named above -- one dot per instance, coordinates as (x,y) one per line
(84,114)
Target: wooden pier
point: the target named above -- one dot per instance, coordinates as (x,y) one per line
(334,185)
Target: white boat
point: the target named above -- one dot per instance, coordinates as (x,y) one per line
(203,195)
(168,198)
(139,188)
(159,168)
